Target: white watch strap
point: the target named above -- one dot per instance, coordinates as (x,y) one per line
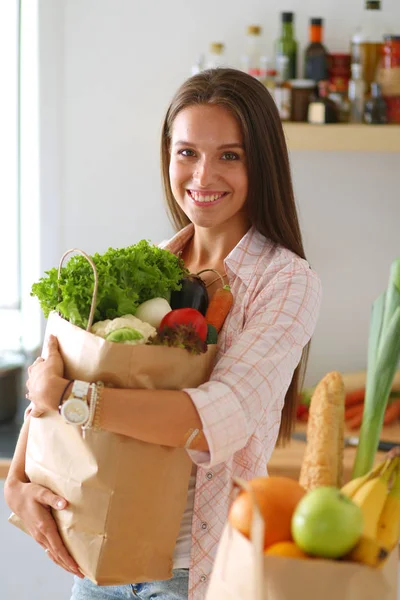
(80,389)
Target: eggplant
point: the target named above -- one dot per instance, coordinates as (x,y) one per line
(193,294)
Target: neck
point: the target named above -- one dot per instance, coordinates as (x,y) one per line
(211,245)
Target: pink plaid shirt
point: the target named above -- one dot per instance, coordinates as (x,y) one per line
(276,304)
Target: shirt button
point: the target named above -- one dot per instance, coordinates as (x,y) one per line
(209,475)
(204,525)
(203,578)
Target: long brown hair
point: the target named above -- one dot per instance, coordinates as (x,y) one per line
(270,200)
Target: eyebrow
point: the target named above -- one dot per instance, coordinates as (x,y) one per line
(223,147)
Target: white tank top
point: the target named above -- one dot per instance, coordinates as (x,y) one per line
(181,558)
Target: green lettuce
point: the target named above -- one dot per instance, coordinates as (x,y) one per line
(127,277)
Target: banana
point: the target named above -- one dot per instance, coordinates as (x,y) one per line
(388,530)
(352,486)
(371,498)
(368,552)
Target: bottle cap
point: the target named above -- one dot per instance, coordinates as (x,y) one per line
(287,17)
(373,5)
(316,21)
(253,30)
(217,47)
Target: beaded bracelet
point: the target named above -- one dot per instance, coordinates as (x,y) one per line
(94,404)
(96,416)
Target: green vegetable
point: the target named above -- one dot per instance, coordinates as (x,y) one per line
(127,277)
(212,334)
(180,336)
(383,360)
(125,334)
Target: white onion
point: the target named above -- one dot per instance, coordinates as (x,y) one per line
(153,311)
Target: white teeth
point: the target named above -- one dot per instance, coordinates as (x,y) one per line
(201,198)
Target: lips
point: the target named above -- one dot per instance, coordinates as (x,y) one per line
(206,197)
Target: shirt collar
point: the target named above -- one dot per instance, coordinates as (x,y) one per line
(241,261)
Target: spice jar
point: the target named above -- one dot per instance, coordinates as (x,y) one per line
(301,92)
(388,76)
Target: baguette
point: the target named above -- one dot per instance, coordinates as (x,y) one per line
(323,458)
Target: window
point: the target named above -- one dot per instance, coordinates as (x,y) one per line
(9,205)
(19,174)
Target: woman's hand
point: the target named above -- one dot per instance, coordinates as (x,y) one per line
(45,383)
(33,503)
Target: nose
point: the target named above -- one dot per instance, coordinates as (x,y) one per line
(204,172)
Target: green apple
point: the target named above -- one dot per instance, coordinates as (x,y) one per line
(326,523)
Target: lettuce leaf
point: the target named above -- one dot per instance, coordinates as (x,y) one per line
(127,277)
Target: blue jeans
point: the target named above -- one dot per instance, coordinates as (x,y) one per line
(170,589)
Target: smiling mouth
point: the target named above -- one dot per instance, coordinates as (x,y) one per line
(206,197)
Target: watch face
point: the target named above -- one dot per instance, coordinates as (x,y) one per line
(75,411)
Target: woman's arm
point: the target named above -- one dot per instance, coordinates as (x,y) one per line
(165,417)
(161,417)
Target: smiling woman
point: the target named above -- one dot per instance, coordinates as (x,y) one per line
(228,188)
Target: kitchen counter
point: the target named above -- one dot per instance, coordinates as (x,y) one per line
(287,461)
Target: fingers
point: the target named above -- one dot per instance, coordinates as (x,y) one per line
(52,345)
(46,532)
(47,498)
(35,362)
(57,551)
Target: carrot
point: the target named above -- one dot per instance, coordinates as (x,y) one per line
(355,422)
(353,411)
(355,397)
(219,307)
(392,412)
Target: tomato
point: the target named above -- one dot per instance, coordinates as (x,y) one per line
(186,316)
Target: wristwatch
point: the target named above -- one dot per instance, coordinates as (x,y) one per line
(75,410)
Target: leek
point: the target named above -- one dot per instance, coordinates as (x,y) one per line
(383,359)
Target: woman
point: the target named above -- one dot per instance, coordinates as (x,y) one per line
(228,188)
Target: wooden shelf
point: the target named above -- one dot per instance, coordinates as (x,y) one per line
(343,137)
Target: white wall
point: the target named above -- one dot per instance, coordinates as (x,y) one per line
(109,69)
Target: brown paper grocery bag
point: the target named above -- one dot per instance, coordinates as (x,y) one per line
(126,497)
(242,572)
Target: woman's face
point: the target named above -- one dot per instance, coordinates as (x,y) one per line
(207,167)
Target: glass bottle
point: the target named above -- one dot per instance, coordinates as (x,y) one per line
(282,91)
(316,55)
(356,94)
(375,112)
(215,57)
(253,61)
(286,45)
(367,41)
(322,109)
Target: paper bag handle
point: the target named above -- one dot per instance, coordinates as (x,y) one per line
(256,538)
(96,282)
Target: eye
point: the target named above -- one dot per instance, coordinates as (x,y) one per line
(186,152)
(230,156)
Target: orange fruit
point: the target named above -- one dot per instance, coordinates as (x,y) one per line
(277,498)
(288,549)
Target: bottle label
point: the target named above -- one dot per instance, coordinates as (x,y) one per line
(316,68)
